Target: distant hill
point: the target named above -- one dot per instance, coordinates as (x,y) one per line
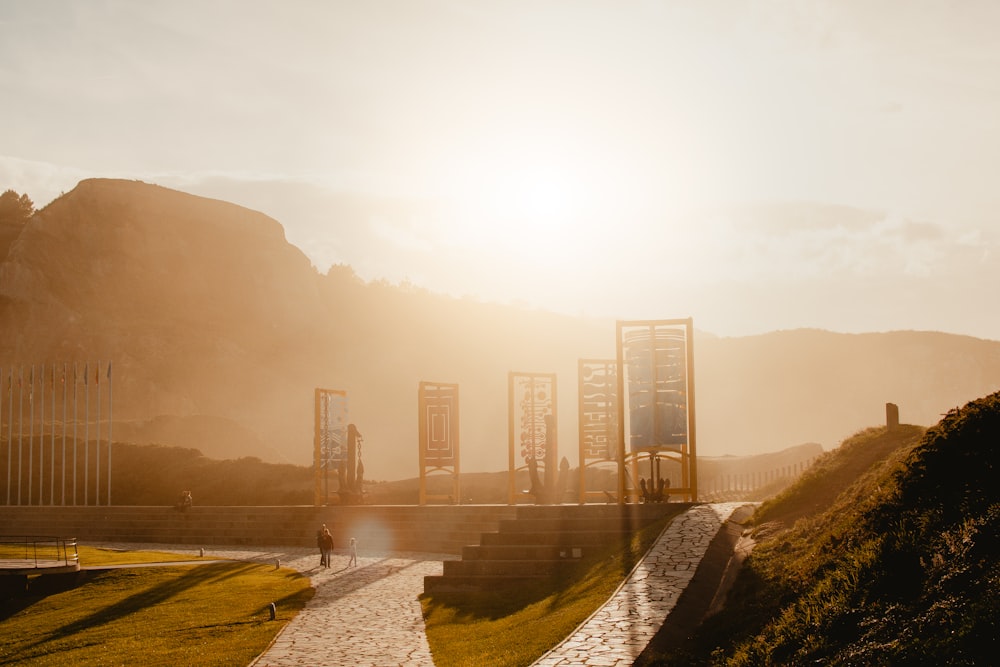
(220,330)
(884,553)
(249,481)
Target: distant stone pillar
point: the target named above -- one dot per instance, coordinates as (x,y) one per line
(891,416)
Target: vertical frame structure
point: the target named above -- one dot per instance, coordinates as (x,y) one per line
(330,440)
(598,427)
(439,438)
(655,360)
(531,414)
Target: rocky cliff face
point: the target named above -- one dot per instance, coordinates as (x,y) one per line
(195,300)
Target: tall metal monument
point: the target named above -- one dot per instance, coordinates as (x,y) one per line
(330,444)
(656,431)
(438,424)
(531,432)
(598,429)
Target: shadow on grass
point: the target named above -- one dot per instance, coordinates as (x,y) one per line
(498,603)
(147,597)
(13,605)
(38,588)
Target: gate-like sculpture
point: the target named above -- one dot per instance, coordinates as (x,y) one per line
(531,433)
(438,406)
(330,444)
(598,429)
(656,430)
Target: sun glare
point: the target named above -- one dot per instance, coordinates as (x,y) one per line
(521,209)
(541,196)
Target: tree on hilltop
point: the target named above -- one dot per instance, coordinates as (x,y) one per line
(15,208)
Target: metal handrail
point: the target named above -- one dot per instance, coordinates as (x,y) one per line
(40,551)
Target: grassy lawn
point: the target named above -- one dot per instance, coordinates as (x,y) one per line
(91,556)
(516,626)
(214,614)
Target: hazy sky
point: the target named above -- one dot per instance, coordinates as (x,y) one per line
(754,165)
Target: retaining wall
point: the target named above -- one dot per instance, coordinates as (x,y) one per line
(440,529)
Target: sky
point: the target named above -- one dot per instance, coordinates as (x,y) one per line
(756,166)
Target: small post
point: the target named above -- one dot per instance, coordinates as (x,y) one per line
(271,608)
(277,563)
(201,552)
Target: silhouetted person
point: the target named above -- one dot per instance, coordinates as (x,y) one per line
(184,502)
(327,545)
(537,487)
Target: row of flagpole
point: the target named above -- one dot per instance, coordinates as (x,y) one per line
(68,375)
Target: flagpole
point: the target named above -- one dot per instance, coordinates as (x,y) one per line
(52,448)
(41,441)
(64,436)
(31,430)
(75,421)
(20,430)
(111,423)
(97,463)
(8,440)
(86,436)
(10,425)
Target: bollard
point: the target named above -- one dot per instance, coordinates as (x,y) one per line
(272,609)
(277,563)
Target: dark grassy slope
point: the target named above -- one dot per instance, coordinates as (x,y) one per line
(885,554)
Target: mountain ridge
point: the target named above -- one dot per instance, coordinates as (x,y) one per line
(207,311)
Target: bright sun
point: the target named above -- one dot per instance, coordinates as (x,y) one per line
(524,209)
(542,196)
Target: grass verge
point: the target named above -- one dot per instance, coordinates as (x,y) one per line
(213,614)
(515,627)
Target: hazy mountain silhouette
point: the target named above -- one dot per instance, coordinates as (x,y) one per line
(220,330)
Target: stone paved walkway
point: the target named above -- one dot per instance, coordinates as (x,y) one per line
(364,615)
(369,615)
(619,631)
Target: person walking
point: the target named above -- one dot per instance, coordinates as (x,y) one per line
(327,545)
(319,545)
(354,553)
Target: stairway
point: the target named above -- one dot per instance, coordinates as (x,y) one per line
(539,544)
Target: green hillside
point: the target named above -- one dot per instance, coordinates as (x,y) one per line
(884,553)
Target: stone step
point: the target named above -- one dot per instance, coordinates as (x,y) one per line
(477,583)
(540,542)
(643,512)
(506,568)
(554,538)
(522,552)
(571,524)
